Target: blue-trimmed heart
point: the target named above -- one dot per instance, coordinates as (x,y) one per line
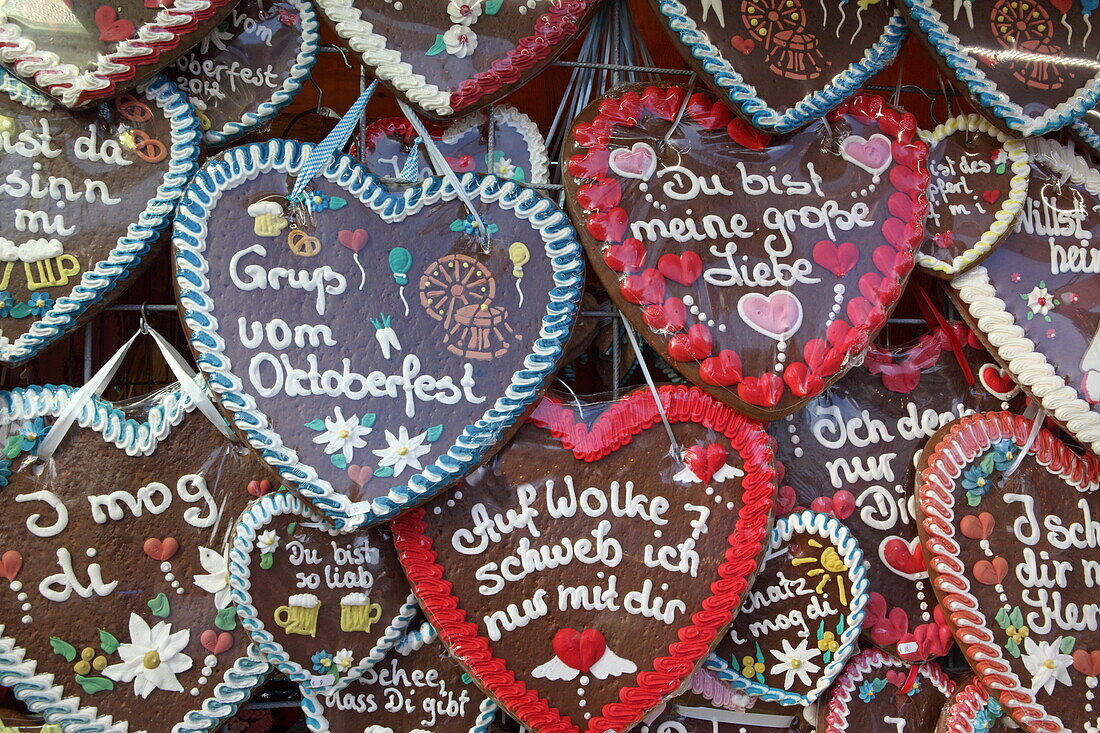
(373,353)
(782,65)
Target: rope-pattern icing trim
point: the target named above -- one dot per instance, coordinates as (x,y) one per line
(962,443)
(869,660)
(964,706)
(74,87)
(552,32)
(985,91)
(26,95)
(1062,161)
(234,167)
(1005,218)
(1088,135)
(98,283)
(1029,366)
(292,84)
(831,530)
(811,107)
(613,429)
(254,519)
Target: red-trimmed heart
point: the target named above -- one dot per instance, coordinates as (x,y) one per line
(161,550)
(217,643)
(903,557)
(997,381)
(531,644)
(1013,592)
(10,564)
(810,281)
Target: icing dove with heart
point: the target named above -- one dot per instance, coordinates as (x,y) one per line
(372,387)
(851,453)
(584,573)
(756,267)
(1008,521)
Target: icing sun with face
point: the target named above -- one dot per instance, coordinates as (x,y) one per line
(831,567)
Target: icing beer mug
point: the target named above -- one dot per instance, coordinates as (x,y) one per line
(357,613)
(300,615)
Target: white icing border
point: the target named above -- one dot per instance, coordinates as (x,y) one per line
(525,127)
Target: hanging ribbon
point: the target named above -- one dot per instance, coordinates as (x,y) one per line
(1038,415)
(934,318)
(674,449)
(411,170)
(321,153)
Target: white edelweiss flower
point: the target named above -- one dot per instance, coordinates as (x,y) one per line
(268,541)
(464,12)
(152,658)
(1039,301)
(1046,664)
(460,41)
(402,452)
(343,659)
(505,168)
(342,435)
(796,662)
(216,579)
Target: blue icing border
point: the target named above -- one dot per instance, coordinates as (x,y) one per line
(1088,136)
(130,249)
(985,91)
(136,438)
(822,525)
(561,248)
(809,108)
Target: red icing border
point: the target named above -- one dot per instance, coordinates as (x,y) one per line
(964,441)
(597,190)
(958,716)
(615,428)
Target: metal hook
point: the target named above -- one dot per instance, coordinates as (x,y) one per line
(143,324)
(340,50)
(679,116)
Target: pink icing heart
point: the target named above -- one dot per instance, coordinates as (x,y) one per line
(353,240)
(871,154)
(777,316)
(638,161)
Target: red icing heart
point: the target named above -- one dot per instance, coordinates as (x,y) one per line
(943,240)
(977,526)
(708,112)
(695,345)
(684,269)
(885,625)
(723,370)
(904,558)
(663,102)
(764,390)
(353,240)
(161,550)
(11,562)
(360,474)
(991,196)
(216,643)
(838,259)
(462,164)
(601,195)
(626,257)
(801,380)
(896,678)
(1087,663)
(704,461)
(589,165)
(111,28)
(997,381)
(580,650)
(608,226)
(989,572)
(645,288)
(746,135)
(901,234)
(670,316)
(777,315)
(743,45)
(259,488)
(840,505)
(785,501)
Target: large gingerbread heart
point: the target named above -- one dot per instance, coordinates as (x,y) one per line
(83,52)
(757,267)
(971,709)
(115,598)
(782,65)
(451,58)
(851,453)
(802,619)
(84,198)
(586,571)
(1031,300)
(322,606)
(1012,553)
(369,387)
(1010,57)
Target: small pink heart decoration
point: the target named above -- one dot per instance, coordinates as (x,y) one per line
(871,154)
(353,240)
(638,161)
(777,315)
(216,643)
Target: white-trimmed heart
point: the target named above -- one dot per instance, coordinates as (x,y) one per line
(903,557)
(777,315)
(997,381)
(872,154)
(116,599)
(372,388)
(638,161)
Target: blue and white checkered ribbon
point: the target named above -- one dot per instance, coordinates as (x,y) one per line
(411,170)
(323,151)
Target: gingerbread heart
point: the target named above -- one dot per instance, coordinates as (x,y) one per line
(763,337)
(416,370)
(322,606)
(802,618)
(786,65)
(1009,58)
(1038,319)
(601,642)
(132,40)
(971,709)
(85,198)
(851,453)
(867,698)
(451,59)
(116,599)
(978,188)
(518,149)
(280,41)
(1016,600)
(416,687)
(682,717)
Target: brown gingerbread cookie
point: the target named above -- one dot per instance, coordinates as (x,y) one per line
(971,709)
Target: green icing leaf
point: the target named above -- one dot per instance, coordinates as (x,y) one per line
(226,620)
(14,446)
(1066,645)
(267,559)
(384,471)
(317,424)
(492,7)
(458,225)
(159,606)
(335,203)
(1002,618)
(63,648)
(433,433)
(291,528)
(20,310)
(973,499)
(368,419)
(1016,617)
(92,685)
(107,642)
(1013,648)
(437,47)
(338,460)
(987,463)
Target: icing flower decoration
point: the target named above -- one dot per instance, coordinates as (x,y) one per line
(914,689)
(5,472)
(1040,301)
(7,302)
(27,438)
(464,12)
(1004,453)
(152,658)
(503,166)
(795,662)
(322,662)
(402,451)
(341,436)
(40,303)
(1017,634)
(343,660)
(268,541)
(469,226)
(1000,159)
(870,688)
(460,41)
(1047,663)
(975,481)
(752,667)
(216,579)
(828,642)
(319,201)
